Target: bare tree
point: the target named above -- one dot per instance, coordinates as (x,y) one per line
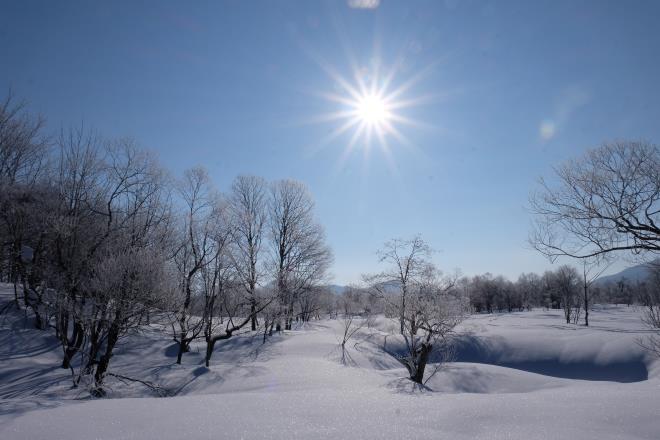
(23,159)
(591,270)
(24,223)
(194,252)
(109,199)
(235,320)
(432,313)
(606,201)
(81,224)
(128,284)
(22,145)
(218,279)
(483,294)
(248,216)
(408,259)
(223,296)
(130,276)
(509,298)
(566,281)
(300,256)
(529,286)
(352,322)
(425,302)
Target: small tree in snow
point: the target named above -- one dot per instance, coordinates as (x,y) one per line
(433,311)
(590,273)
(407,260)
(352,322)
(425,303)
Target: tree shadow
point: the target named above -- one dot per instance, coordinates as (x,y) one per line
(18,407)
(404,385)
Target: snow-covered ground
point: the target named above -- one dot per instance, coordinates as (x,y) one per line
(521,375)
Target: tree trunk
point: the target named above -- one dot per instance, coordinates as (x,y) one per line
(210,345)
(288,314)
(402,314)
(32,299)
(423,353)
(72,345)
(18,304)
(586,305)
(253,312)
(104,362)
(94,349)
(184,347)
(210,342)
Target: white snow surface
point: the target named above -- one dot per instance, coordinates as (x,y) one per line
(528,377)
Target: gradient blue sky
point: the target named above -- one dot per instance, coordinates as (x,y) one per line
(236,86)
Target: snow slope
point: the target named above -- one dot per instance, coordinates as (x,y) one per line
(298,385)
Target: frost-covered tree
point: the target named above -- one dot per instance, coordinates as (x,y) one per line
(407,261)
(23,147)
(226,309)
(566,283)
(247,208)
(24,194)
(128,285)
(131,276)
(83,222)
(194,252)
(300,257)
(529,286)
(425,303)
(433,310)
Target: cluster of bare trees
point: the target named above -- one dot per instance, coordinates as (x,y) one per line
(563,288)
(497,294)
(99,241)
(86,235)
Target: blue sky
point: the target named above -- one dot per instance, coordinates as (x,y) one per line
(506,90)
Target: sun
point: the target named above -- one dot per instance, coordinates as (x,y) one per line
(372,109)
(369,105)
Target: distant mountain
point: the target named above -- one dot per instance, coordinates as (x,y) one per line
(336,288)
(633,274)
(387,286)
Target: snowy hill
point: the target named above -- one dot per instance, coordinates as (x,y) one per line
(518,375)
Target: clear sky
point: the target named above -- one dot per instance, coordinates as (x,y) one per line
(497,91)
